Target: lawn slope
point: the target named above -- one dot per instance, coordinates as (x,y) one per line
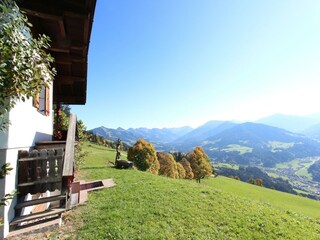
(145,206)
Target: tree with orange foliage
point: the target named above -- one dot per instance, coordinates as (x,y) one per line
(143,156)
(181,171)
(200,163)
(168,166)
(187,167)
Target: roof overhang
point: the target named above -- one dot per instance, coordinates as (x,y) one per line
(68,23)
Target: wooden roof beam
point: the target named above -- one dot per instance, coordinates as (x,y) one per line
(42,15)
(68,58)
(69,80)
(69,99)
(62,29)
(55,8)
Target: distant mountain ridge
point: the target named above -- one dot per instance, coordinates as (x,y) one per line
(200,134)
(158,137)
(246,143)
(291,123)
(259,144)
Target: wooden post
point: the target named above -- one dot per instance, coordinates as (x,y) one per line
(69,152)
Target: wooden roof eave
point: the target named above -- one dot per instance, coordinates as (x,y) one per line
(68,23)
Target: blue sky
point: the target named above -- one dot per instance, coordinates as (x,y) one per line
(171,63)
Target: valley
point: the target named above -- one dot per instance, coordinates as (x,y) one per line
(296,173)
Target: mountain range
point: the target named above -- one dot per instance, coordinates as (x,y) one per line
(278,138)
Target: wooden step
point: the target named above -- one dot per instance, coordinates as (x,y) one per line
(39,201)
(26,230)
(45,214)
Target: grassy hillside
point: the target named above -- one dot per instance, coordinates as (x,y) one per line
(145,206)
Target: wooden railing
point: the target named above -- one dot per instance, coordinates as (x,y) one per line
(40,170)
(51,168)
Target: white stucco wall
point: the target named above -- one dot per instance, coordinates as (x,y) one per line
(28,126)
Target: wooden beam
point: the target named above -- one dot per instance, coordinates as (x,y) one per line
(69,79)
(68,58)
(69,99)
(42,14)
(86,30)
(60,49)
(65,48)
(82,15)
(62,29)
(56,8)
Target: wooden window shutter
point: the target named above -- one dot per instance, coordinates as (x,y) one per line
(36,101)
(47,102)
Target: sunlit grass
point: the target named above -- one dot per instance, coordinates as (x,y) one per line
(145,206)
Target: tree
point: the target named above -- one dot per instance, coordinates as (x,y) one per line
(252,181)
(181,171)
(200,163)
(187,167)
(80,154)
(177,156)
(143,156)
(168,166)
(259,182)
(25,66)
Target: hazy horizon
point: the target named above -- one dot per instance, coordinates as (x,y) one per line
(317,117)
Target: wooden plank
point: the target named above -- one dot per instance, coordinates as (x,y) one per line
(52,164)
(29,159)
(32,166)
(42,181)
(40,201)
(44,154)
(69,153)
(30,217)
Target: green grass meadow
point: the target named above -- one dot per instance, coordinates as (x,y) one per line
(145,206)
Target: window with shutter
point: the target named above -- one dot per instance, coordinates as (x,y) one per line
(47,103)
(36,101)
(42,101)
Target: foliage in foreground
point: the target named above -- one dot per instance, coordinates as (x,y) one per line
(5,170)
(25,66)
(146,206)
